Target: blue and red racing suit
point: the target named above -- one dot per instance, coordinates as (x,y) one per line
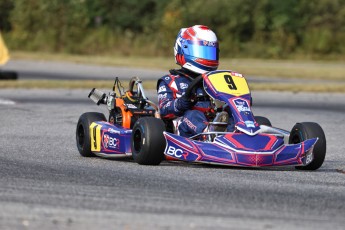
(170,88)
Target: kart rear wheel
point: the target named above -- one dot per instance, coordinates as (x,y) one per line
(262,121)
(83,132)
(148,142)
(307,130)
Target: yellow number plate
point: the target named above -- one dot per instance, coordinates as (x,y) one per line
(229,83)
(95,137)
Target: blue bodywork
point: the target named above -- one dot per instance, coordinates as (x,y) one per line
(115,141)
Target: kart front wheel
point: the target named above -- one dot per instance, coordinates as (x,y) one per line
(263,121)
(148,142)
(83,132)
(308,130)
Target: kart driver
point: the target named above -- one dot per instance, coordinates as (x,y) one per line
(196,51)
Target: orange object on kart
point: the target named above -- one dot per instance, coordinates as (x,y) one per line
(126,114)
(126,108)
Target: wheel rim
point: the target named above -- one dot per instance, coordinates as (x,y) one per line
(137,140)
(80,136)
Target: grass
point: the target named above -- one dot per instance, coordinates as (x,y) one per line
(299,69)
(151,85)
(316,88)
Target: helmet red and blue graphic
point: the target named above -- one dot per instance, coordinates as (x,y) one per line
(196,49)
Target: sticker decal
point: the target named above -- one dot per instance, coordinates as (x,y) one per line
(162,89)
(229,83)
(110,142)
(183,85)
(249,124)
(95,137)
(241,105)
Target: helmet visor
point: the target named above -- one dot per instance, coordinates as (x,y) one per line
(201,51)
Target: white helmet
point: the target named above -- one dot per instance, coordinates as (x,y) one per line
(196,49)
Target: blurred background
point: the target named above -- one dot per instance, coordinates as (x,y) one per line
(303,29)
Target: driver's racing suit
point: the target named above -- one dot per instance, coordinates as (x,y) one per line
(170,89)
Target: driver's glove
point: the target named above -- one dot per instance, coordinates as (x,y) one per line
(183,103)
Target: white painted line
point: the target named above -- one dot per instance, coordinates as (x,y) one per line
(6,102)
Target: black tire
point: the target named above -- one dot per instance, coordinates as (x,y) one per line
(262,121)
(307,130)
(83,132)
(148,142)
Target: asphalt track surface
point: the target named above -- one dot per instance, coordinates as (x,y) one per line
(46,184)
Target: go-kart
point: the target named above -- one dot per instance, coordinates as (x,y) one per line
(134,128)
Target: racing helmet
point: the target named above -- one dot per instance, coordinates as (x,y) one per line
(196,49)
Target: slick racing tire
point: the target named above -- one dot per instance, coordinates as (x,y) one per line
(263,121)
(148,142)
(307,130)
(83,132)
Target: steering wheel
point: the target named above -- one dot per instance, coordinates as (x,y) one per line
(191,90)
